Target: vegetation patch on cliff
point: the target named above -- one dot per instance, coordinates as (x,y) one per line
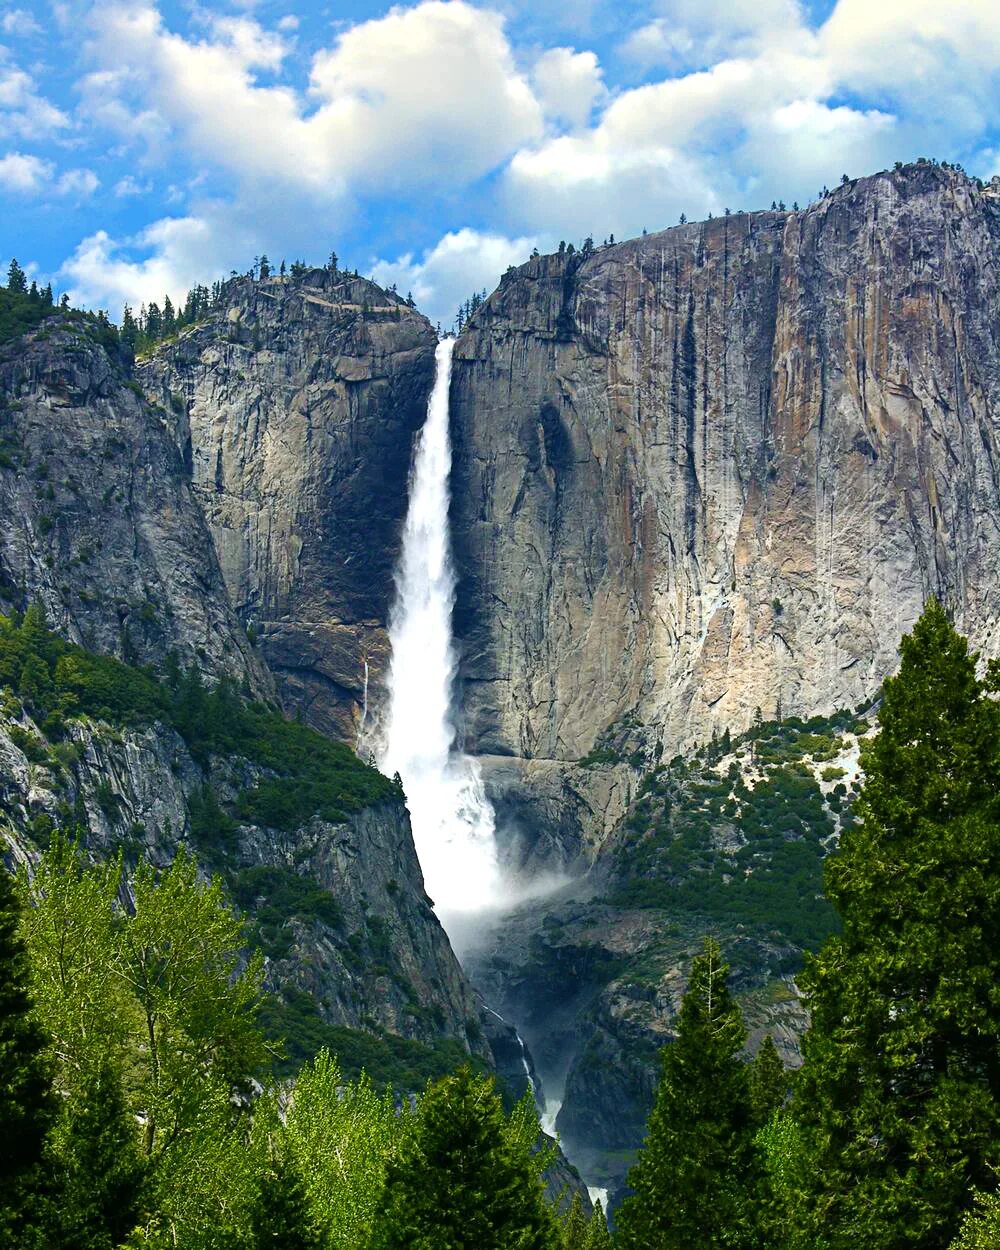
(738,833)
(306,774)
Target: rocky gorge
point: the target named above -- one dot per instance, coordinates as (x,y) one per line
(703,480)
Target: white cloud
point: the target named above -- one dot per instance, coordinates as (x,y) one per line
(702,32)
(23,111)
(745,130)
(568,84)
(27,174)
(941,61)
(23,173)
(20,23)
(254,47)
(129,186)
(78,182)
(460,263)
(105,273)
(419,96)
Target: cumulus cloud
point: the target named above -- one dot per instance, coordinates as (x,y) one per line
(19,23)
(697,33)
(568,84)
(107,273)
(941,61)
(24,111)
(460,263)
(434,109)
(27,174)
(23,173)
(417,96)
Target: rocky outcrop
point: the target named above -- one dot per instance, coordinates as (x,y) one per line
(719,468)
(376,960)
(98,521)
(101,526)
(294,405)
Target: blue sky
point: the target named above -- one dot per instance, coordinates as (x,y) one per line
(146,147)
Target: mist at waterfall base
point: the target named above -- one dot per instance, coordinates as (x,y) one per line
(454,825)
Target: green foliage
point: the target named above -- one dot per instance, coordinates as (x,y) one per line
(294,1018)
(981,1226)
(464,1178)
(769,1081)
(155,324)
(281,1218)
(21,308)
(159,996)
(306,774)
(27,1107)
(341,1138)
(698,1178)
(898,1097)
(768,873)
(100,1172)
(598,1237)
(573,1235)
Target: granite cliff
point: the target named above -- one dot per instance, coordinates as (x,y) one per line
(703,482)
(294,405)
(719,468)
(102,529)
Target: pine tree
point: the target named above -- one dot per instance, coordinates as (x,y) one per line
(281,1217)
(27,1104)
(899,1098)
(697,1170)
(16,279)
(574,1228)
(461,1181)
(768,1081)
(101,1172)
(598,1237)
(130,328)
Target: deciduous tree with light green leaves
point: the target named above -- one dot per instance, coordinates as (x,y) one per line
(158,998)
(341,1138)
(899,1098)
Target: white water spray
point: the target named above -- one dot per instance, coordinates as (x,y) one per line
(453,821)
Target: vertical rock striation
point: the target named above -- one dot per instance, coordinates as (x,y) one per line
(721,467)
(98,520)
(295,404)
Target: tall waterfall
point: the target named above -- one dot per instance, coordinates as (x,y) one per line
(453,821)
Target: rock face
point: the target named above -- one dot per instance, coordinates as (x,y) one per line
(98,521)
(721,467)
(382,963)
(294,406)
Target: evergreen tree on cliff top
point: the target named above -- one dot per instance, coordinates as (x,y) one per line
(899,1098)
(465,1177)
(697,1176)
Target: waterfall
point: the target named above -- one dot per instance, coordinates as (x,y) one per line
(453,821)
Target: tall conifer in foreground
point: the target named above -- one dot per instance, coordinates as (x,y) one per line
(598,1237)
(574,1227)
(899,1097)
(697,1173)
(27,1105)
(463,1180)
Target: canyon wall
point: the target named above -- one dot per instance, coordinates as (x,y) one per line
(295,405)
(719,468)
